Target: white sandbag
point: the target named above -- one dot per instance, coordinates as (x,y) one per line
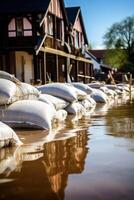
(27,91)
(85,88)
(28,113)
(6,75)
(91,100)
(60,115)
(99,96)
(61,90)
(75,108)
(7,92)
(7,136)
(58,103)
(95,85)
(108,92)
(126,87)
(115,89)
(112,87)
(119,92)
(123,89)
(86,104)
(81,95)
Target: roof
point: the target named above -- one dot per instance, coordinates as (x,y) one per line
(99,53)
(106,66)
(92,56)
(23,6)
(72,13)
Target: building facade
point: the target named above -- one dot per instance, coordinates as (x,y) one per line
(39,44)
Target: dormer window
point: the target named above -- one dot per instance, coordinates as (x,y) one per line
(19,26)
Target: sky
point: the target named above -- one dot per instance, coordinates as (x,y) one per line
(99,15)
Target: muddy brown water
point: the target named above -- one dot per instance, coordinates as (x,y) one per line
(90,158)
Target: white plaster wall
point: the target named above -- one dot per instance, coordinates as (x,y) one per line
(96,64)
(23,58)
(77,25)
(27,24)
(27,27)
(11,25)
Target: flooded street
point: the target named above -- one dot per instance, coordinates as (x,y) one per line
(92,158)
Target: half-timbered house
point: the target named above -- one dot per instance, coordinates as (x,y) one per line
(81,70)
(35,42)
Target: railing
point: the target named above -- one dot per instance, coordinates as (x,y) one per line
(59,45)
(84,78)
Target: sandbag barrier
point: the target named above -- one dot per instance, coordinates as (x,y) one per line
(23,105)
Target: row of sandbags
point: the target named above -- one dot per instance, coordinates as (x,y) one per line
(36,110)
(41,106)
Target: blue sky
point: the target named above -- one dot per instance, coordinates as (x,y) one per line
(99,15)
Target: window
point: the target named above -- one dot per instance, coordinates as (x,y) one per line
(59,28)
(50,28)
(77,40)
(19,26)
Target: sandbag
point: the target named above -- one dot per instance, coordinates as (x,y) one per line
(60,115)
(6,75)
(81,95)
(7,92)
(86,104)
(7,136)
(95,85)
(75,108)
(99,96)
(115,89)
(27,91)
(112,87)
(61,90)
(85,88)
(126,87)
(91,100)
(58,103)
(108,92)
(28,114)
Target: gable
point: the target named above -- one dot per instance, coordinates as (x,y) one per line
(78,25)
(55,8)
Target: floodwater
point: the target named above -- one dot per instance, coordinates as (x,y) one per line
(92,158)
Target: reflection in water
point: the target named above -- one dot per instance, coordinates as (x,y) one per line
(45,174)
(120,120)
(40,170)
(63,158)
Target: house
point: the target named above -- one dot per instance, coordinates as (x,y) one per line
(95,61)
(82,70)
(34,43)
(99,55)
